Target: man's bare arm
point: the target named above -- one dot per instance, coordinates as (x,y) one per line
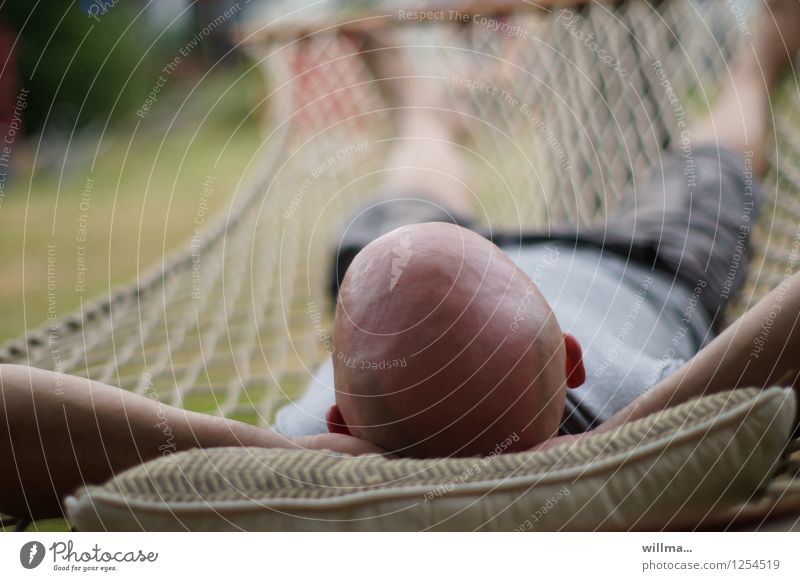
(58,432)
(760,349)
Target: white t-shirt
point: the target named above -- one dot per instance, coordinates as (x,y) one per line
(636,326)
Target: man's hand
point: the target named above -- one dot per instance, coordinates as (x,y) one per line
(340,443)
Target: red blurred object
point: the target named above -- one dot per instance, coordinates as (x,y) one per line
(329,83)
(9,82)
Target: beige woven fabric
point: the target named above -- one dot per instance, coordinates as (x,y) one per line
(667,470)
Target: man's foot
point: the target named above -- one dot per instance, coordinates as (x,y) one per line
(776,40)
(425,160)
(740,118)
(420,97)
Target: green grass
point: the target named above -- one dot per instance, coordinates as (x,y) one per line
(145,188)
(49,525)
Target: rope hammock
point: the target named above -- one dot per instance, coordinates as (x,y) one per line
(236,322)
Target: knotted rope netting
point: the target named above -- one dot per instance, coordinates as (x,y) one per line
(564,107)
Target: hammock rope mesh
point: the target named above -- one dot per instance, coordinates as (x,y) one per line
(235,323)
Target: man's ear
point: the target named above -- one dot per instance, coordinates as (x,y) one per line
(576,373)
(335,421)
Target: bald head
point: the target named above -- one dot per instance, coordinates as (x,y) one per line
(444,347)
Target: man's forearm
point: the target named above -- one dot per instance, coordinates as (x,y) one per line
(761,348)
(59,432)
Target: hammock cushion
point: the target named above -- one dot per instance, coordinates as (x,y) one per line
(665,471)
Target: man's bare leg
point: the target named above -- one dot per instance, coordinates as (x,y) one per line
(740,119)
(760,348)
(426,159)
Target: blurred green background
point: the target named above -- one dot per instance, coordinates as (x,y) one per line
(112,115)
(89,161)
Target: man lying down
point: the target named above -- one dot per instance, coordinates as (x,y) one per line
(448,344)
